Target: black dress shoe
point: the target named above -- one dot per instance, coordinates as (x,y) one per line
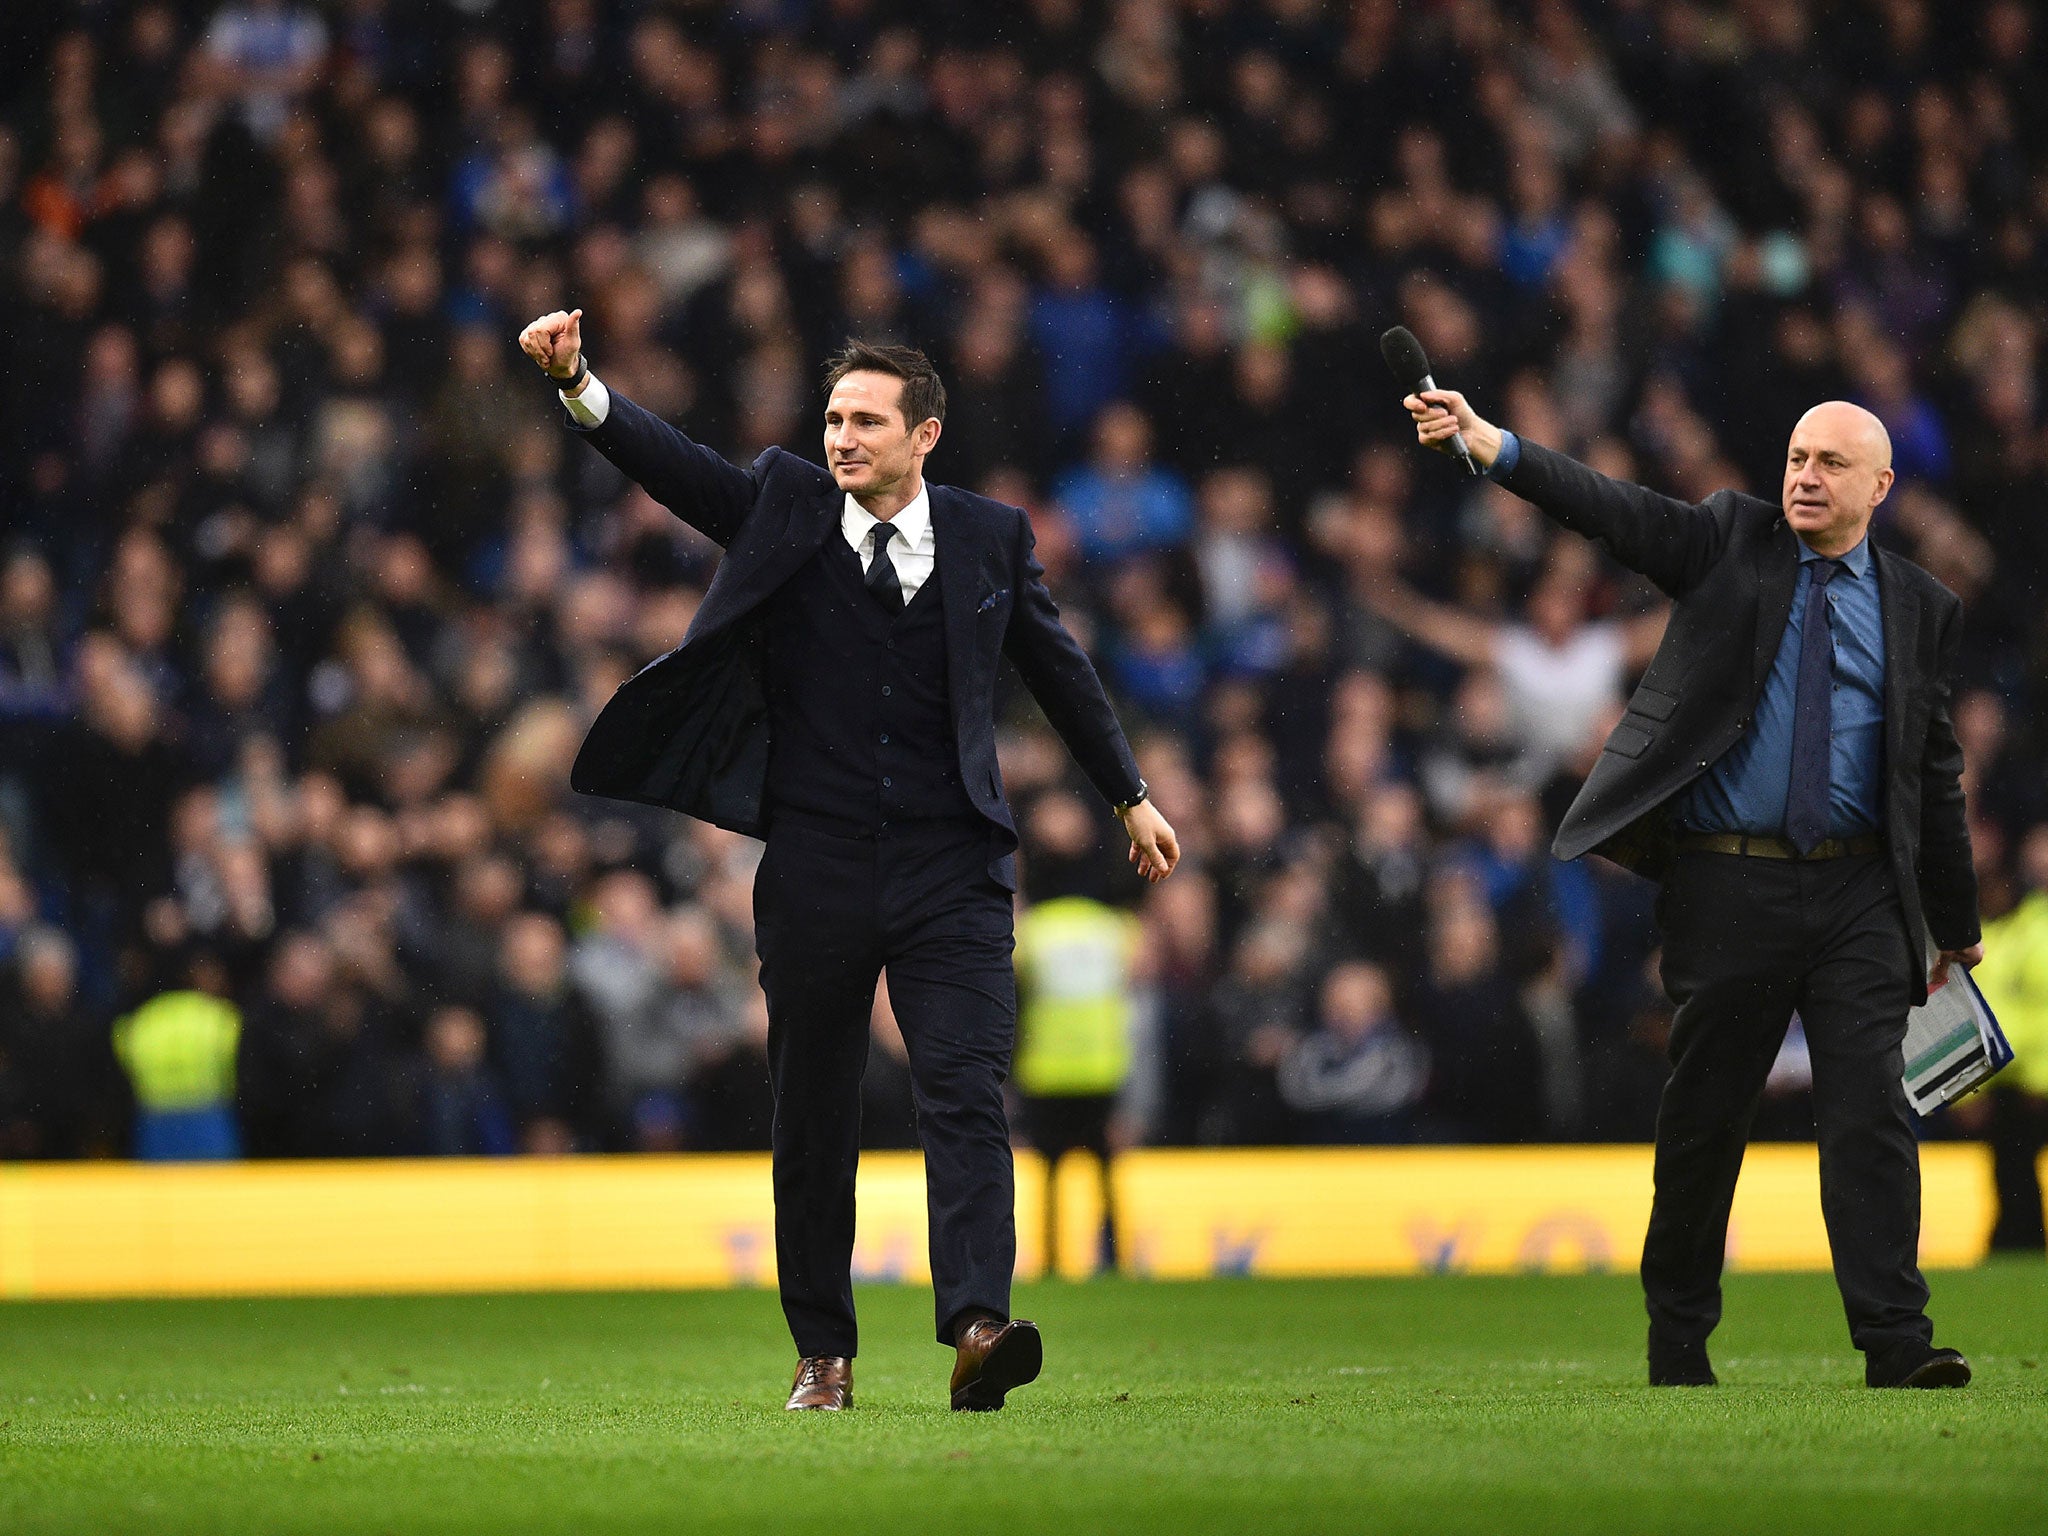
(1681,1366)
(994,1356)
(1918,1366)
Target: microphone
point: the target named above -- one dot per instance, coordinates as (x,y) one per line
(1410,367)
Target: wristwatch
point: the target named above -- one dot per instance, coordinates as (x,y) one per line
(1137,799)
(575,379)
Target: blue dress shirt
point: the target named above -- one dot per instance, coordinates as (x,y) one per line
(1745,790)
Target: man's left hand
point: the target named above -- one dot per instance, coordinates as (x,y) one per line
(1972,956)
(1154,848)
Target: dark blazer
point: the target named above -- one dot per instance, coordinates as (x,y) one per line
(1729,565)
(690,730)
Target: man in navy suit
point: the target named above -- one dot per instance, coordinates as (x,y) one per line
(835,695)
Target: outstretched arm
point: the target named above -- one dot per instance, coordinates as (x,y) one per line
(1670,541)
(1470,641)
(696,484)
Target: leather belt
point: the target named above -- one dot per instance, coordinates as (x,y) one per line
(1777,847)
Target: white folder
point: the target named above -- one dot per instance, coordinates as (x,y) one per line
(1953,1043)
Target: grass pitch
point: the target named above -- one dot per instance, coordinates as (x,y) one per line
(1434,1405)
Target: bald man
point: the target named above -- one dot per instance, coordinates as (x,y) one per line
(1787,770)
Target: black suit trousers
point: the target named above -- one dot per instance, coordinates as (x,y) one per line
(831,912)
(1747,941)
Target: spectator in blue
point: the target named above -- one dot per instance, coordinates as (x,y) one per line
(267,54)
(1246,571)
(275,191)
(33,654)
(462,1113)
(518,186)
(1535,238)
(1081,332)
(1120,500)
(1538,902)
(1884,384)
(1158,666)
(1358,1076)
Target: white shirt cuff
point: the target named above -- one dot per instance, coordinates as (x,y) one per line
(590,408)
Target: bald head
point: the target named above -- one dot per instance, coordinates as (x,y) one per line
(1838,468)
(1843,421)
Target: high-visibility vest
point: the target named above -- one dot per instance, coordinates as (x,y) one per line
(1074,960)
(178,1049)
(2014,981)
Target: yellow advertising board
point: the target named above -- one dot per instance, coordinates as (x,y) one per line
(698,1221)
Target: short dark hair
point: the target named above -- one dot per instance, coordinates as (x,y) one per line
(924,397)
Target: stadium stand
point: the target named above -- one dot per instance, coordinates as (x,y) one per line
(305,599)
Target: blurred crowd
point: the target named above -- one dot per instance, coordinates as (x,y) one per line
(306,597)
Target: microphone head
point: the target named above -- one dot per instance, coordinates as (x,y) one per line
(1405,357)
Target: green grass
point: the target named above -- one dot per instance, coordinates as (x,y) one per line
(1435,1405)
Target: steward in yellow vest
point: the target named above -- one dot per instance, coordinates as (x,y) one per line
(1074,959)
(178,1050)
(2014,980)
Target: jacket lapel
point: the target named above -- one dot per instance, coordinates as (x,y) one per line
(1777,573)
(1899,613)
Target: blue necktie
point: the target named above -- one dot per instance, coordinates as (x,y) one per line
(1806,806)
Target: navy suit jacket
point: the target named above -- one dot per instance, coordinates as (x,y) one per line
(690,730)
(1729,564)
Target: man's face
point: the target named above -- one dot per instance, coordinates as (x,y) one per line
(868,445)
(1838,467)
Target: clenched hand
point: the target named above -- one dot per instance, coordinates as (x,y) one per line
(555,342)
(1441,414)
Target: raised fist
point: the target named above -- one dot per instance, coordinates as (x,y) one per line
(555,342)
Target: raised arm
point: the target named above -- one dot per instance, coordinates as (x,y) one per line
(699,486)
(1670,541)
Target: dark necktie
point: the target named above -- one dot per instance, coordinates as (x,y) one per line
(1806,806)
(882,579)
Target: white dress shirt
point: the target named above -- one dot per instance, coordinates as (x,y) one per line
(912,551)
(590,408)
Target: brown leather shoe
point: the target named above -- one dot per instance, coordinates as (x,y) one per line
(823,1382)
(994,1357)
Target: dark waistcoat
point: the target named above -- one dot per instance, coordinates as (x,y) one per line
(860,720)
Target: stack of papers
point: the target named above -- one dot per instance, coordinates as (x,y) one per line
(1953,1044)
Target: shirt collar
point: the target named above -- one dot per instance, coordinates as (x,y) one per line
(1857,559)
(913,523)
